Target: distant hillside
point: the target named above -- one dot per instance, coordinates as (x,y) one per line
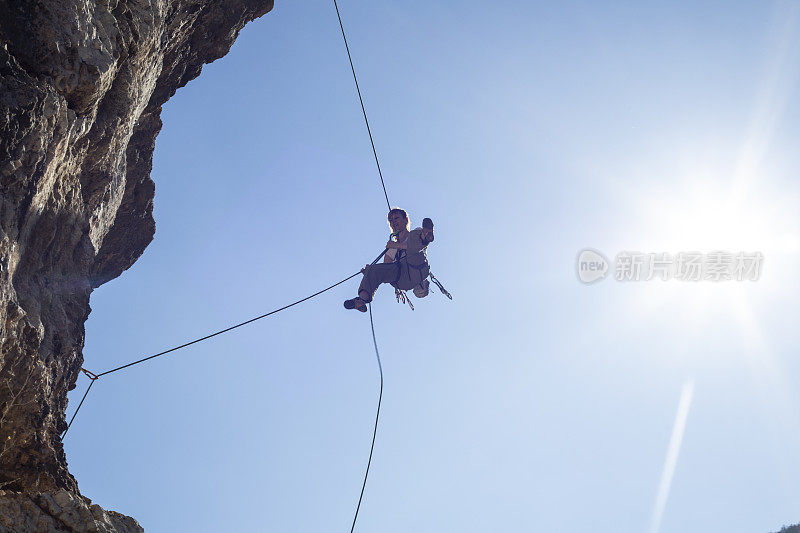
(790,529)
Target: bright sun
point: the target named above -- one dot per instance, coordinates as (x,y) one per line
(707,214)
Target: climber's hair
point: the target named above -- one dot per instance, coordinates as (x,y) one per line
(402,212)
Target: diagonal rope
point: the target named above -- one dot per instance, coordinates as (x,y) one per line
(85,394)
(377,415)
(95,377)
(228,329)
(363,109)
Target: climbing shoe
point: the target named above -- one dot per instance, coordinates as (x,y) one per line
(356,303)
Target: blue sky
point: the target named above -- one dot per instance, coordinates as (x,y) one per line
(531,402)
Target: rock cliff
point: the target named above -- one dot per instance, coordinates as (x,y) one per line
(82,83)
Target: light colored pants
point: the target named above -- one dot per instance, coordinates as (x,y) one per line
(398,274)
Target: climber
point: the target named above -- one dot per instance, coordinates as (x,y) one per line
(405,263)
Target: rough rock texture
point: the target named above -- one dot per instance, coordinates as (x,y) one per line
(82,83)
(61,511)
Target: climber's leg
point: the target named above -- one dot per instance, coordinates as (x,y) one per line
(374,276)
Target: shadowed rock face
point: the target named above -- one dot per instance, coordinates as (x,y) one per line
(82,83)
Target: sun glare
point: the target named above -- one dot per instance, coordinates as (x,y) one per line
(724,199)
(701,215)
(706,216)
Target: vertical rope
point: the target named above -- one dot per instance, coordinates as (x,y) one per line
(377,415)
(363,110)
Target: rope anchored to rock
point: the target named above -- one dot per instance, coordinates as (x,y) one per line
(94,377)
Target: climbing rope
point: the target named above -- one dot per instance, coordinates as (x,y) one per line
(95,377)
(85,394)
(377,415)
(363,109)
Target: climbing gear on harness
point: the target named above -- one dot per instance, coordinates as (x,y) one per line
(400,294)
(402,298)
(441,287)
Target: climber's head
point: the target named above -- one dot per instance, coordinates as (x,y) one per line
(398,220)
